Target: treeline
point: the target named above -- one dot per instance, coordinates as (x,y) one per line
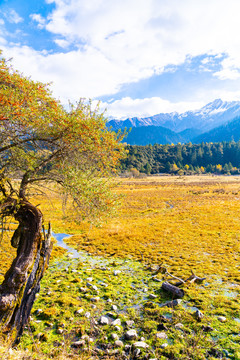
(221,158)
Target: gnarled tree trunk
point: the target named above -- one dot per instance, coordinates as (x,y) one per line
(22,280)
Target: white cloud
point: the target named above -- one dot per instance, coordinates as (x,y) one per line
(123,41)
(13,17)
(39,19)
(149,34)
(62,43)
(128,107)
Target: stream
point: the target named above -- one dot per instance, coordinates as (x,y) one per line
(60,242)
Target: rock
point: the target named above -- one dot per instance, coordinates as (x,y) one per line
(93,306)
(59,331)
(78,344)
(142,338)
(91,286)
(129,323)
(95,299)
(131,334)
(103,320)
(152,296)
(136,353)
(161,335)
(85,337)
(163,346)
(90,279)
(114,336)
(109,301)
(145,290)
(87,314)
(114,307)
(172,303)
(179,326)
(118,343)
(117,328)
(39,311)
(199,315)
(103,284)
(83,290)
(116,322)
(127,347)
(79,311)
(140,344)
(117,272)
(222,318)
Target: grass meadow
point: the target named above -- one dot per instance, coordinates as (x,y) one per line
(185,224)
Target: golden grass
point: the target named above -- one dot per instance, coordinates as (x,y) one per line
(187,223)
(190,222)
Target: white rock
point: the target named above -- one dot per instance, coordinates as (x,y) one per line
(116,322)
(179,326)
(87,314)
(78,344)
(118,343)
(114,307)
(163,346)
(129,323)
(83,290)
(117,272)
(131,334)
(152,296)
(222,318)
(103,320)
(114,336)
(95,299)
(79,311)
(161,335)
(91,286)
(140,344)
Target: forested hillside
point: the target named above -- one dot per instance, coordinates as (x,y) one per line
(221,158)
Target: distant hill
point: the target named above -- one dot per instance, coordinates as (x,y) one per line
(212,115)
(145,135)
(227,132)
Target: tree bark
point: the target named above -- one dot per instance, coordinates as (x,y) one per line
(174,290)
(22,280)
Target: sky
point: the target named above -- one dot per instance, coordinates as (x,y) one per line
(138,57)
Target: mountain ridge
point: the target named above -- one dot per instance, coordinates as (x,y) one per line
(205,119)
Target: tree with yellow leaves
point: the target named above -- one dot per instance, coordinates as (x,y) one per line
(42,142)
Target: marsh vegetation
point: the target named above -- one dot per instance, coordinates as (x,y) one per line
(184,224)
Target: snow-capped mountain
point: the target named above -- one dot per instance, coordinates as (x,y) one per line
(212,115)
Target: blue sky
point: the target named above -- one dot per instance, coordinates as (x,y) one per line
(139,57)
